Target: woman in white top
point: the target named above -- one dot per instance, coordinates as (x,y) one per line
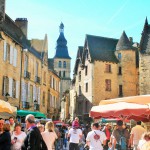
(49,135)
(17,137)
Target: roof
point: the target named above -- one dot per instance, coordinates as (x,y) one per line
(123,43)
(51,63)
(102,48)
(145,39)
(78,58)
(12,30)
(61,47)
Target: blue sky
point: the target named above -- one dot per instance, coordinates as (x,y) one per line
(106,18)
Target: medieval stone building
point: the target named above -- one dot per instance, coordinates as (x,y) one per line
(105,68)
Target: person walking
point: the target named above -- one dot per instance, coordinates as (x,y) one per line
(5,138)
(17,137)
(136,134)
(74,135)
(96,139)
(121,137)
(49,135)
(34,137)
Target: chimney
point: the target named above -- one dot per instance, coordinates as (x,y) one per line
(131,40)
(22,23)
(2,11)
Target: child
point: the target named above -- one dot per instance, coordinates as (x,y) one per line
(110,146)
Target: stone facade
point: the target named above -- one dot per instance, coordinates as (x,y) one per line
(104,74)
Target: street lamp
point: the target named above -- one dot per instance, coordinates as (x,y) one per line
(35,104)
(7,96)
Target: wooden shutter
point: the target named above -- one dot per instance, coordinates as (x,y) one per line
(39,95)
(28,96)
(11,54)
(23,91)
(15,58)
(17,89)
(34,93)
(10,86)
(5,51)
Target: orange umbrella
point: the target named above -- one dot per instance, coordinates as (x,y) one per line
(123,110)
(140,99)
(5,107)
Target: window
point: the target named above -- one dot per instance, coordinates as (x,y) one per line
(108,84)
(120,71)
(79,90)
(107,68)
(86,70)
(119,56)
(86,87)
(64,65)
(14,88)
(60,73)
(43,100)
(64,74)
(36,69)
(53,83)
(44,77)
(59,64)
(79,75)
(5,85)
(50,100)
(120,91)
(26,63)
(8,52)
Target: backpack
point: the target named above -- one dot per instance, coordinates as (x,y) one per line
(122,140)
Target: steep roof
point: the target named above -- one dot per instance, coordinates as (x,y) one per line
(61,48)
(12,30)
(78,58)
(51,63)
(123,43)
(102,48)
(145,39)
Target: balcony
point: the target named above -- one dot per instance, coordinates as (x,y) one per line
(37,79)
(26,105)
(36,107)
(27,74)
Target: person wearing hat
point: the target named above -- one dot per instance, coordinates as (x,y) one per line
(75,134)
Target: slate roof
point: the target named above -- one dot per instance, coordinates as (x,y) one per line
(51,63)
(102,48)
(78,58)
(123,43)
(145,39)
(61,48)
(12,30)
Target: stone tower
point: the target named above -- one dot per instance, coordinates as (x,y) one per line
(62,62)
(144,60)
(127,67)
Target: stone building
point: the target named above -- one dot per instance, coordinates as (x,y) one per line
(25,77)
(62,66)
(144,60)
(105,68)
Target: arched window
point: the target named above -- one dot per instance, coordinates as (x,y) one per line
(64,65)
(59,65)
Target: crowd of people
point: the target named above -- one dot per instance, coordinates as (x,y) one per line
(37,136)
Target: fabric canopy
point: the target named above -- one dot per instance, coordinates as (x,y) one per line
(23,113)
(126,107)
(5,107)
(140,99)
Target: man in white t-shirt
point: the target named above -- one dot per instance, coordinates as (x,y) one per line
(96,138)
(136,134)
(75,135)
